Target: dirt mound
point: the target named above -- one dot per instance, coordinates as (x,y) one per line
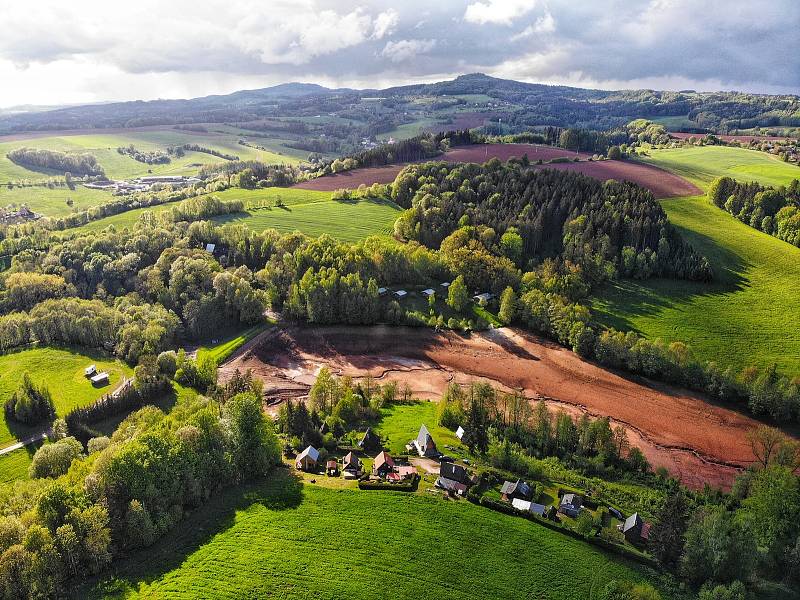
(698,441)
(662,183)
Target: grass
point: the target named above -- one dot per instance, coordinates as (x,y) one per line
(400,424)
(286,539)
(117,166)
(14,465)
(346,221)
(746,316)
(223,348)
(61,371)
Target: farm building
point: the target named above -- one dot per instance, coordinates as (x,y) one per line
(383,465)
(634,529)
(351,465)
(516,490)
(460,432)
(400,294)
(307,459)
(99,378)
(90,370)
(370,441)
(428,292)
(424,444)
(332,468)
(571,505)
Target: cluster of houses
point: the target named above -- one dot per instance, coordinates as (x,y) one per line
(519,493)
(143,184)
(481,298)
(97,378)
(15,216)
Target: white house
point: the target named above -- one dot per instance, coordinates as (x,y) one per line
(460,432)
(400,294)
(307,459)
(527,506)
(424,443)
(428,293)
(90,370)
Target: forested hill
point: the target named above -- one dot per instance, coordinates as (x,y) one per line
(523,104)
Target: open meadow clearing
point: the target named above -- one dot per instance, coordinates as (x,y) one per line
(400,423)
(746,315)
(61,370)
(284,539)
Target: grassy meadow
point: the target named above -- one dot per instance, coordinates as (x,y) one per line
(400,424)
(746,316)
(286,539)
(117,166)
(227,345)
(61,371)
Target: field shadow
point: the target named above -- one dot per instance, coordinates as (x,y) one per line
(282,490)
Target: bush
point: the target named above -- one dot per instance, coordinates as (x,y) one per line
(53,460)
(98,444)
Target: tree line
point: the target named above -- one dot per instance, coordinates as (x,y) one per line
(151,157)
(775,211)
(84,164)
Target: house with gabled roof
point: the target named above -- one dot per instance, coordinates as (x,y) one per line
(635,530)
(527,506)
(453,478)
(307,459)
(424,444)
(516,489)
(571,505)
(383,465)
(351,465)
(370,440)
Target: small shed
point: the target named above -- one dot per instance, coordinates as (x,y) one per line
(100,379)
(428,292)
(482,298)
(400,294)
(90,370)
(526,506)
(445,284)
(460,432)
(635,530)
(210,248)
(382,291)
(307,459)
(332,468)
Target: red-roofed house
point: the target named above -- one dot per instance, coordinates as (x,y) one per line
(383,464)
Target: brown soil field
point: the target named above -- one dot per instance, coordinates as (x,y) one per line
(733,138)
(696,440)
(662,183)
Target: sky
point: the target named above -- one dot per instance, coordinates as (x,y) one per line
(54,52)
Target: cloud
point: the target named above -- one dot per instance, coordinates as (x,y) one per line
(404,50)
(501,12)
(385,24)
(91,50)
(544,24)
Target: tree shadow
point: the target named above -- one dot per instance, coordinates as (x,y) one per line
(281,490)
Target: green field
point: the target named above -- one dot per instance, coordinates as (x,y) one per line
(747,316)
(61,371)
(283,539)
(117,166)
(400,424)
(14,465)
(346,221)
(227,345)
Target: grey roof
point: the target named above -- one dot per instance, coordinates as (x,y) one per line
(454,472)
(518,486)
(424,438)
(571,500)
(310,452)
(450,485)
(631,522)
(539,509)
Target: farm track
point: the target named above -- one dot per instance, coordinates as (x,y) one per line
(696,440)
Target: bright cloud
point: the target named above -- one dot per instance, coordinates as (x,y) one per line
(403,50)
(502,12)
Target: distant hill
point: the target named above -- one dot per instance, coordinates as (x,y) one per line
(527,104)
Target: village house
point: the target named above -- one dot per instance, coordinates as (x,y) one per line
(527,506)
(382,465)
(400,294)
(99,379)
(571,505)
(307,459)
(424,444)
(453,478)
(370,441)
(90,370)
(516,489)
(634,529)
(428,292)
(351,466)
